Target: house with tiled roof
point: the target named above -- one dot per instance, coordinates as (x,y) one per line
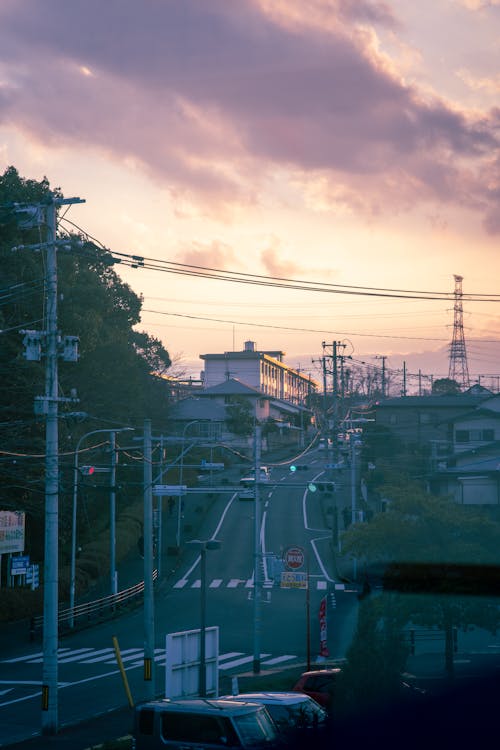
(470,471)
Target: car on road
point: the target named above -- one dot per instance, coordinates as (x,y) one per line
(325,444)
(246,489)
(264,474)
(293,713)
(195,723)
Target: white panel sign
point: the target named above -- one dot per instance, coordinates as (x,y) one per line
(182,665)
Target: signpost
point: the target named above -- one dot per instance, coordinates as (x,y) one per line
(33,576)
(19,565)
(294,559)
(291,580)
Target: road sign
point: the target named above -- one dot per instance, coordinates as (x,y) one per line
(11,531)
(169,489)
(19,565)
(294,557)
(211,465)
(291,580)
(33,576)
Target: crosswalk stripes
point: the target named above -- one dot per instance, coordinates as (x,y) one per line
(134,657)
(235,583)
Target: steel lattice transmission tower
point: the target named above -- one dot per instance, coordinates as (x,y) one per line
(458,369)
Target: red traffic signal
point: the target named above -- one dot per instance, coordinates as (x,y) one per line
(87,471)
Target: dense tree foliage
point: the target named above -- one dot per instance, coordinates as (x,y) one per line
(239,416)
(426,544)
(445,387)
(113,378)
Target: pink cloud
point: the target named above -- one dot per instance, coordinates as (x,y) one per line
(208,97)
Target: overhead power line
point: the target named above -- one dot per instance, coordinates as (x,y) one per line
(218,274)
(291,328)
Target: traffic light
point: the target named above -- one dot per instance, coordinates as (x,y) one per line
(300,467)
(322,487)
(87,471)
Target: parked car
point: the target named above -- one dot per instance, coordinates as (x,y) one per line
(195,723)
(319,684)
(293,713)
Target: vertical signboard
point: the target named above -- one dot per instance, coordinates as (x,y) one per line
(182,664)
(323,646)
(11,531)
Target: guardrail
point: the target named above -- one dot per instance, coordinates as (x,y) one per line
(82,614)
(416,635)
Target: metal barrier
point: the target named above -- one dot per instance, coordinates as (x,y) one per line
(414,635)
(82,614)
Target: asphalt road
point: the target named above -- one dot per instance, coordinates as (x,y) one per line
(89,679)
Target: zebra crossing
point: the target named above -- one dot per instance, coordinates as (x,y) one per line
(134,657)
(241,583)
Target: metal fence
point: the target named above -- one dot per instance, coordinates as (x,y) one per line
(85,614)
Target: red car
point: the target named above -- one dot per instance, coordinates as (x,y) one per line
(318,684)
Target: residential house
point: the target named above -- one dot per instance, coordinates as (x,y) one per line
(470,473)
(427,419)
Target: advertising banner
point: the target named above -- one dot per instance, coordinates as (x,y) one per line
(323,647)
(11,531)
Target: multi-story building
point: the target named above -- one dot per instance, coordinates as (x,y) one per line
(263,370)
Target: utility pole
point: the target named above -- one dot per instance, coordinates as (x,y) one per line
(325,406)
(112,516)
(335,345)
(257,559)
(47,405)
(149,616)
(51,569)
(404,379)
(383,357)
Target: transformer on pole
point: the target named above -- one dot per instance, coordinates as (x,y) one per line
(458,369)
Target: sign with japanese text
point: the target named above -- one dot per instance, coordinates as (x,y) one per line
(11,531)
(293,580)
(323,646)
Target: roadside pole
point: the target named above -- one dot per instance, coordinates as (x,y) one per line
(257,559)
(51,569)
(112,516)
(149,617)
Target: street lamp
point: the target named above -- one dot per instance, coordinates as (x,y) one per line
(178,536)
(72,585)
(203,546)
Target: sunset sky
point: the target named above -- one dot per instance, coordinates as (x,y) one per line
(349,142)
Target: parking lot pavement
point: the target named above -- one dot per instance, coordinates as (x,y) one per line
(88,734)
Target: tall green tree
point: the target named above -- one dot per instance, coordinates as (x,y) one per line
(240,418)
(118,378)
(420,534)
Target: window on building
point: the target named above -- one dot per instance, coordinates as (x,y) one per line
(475,436)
